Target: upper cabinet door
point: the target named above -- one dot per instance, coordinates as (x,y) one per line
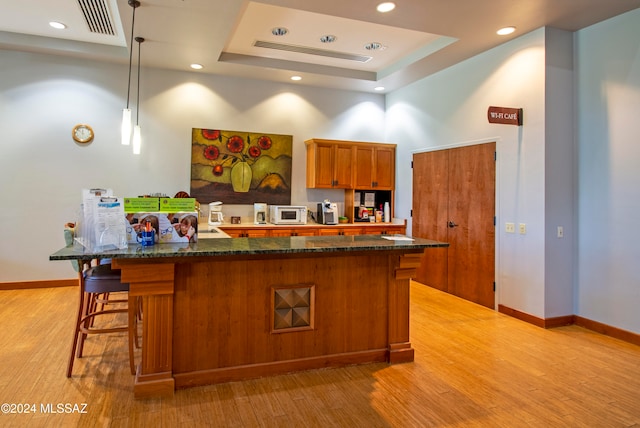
(364,167)
(323,166)
(343,163)
(375,167)
(384,168)
(329,165)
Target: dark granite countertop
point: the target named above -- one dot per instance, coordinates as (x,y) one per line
(254,246)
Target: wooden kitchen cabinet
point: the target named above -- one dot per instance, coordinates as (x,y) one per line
(385,230)
(305,232)
(292,232)
(245,233)
(330,164)
(345,231)
(335,164)
(281,232)
(329,232)
(351,231)
(375,166)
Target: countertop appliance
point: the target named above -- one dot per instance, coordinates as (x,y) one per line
(327,212)
(287,214)
(215,214)
(259,213)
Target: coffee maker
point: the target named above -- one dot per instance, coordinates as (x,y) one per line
(327,212)
(259,213)
(215,214)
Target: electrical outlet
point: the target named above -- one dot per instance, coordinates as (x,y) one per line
(522,227)
(560,232)
(510,227)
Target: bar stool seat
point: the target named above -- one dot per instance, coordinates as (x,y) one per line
(103,279)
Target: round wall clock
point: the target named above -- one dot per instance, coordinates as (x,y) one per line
(82,133)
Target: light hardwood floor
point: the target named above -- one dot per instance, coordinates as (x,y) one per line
(473,368)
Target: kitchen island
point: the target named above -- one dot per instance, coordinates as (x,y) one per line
(228,309)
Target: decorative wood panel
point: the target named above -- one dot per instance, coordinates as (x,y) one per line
(226,316)
(293,308)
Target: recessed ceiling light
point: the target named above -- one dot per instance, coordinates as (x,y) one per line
(197,66)
(296,78)
(279,31)
(379,88)
(57,25)
(386,7)
(329,38)
(506,30)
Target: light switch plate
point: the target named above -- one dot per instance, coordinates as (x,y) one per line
(510,227)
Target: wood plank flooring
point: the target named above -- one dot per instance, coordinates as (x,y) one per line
(473,368)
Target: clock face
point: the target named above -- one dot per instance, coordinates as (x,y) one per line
(82,133)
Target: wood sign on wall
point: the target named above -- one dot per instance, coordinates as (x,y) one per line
(505,115)
(239,167)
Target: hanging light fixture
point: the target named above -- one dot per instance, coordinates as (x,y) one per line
(137,138)
(126,112)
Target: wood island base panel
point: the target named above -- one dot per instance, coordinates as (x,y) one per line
(213,315)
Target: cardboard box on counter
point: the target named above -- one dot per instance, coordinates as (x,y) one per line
(170,227)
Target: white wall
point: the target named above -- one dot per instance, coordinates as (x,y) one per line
(43,171)
(450,108)
(560,174)
(608,105)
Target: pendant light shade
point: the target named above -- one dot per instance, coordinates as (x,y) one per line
(126,112)
(126,126)
(137,137)
(137,140)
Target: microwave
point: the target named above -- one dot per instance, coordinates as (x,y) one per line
(287,214)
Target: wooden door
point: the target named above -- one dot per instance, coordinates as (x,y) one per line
(454,201)
(430,214)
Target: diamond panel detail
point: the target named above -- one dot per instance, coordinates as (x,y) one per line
(292,307)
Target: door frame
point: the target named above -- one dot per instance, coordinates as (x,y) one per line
(496,243)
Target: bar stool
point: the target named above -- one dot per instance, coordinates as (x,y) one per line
(96,284)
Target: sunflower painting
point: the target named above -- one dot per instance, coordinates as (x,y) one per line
(237,167)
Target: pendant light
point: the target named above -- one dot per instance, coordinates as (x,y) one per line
(137,138)
(126,112)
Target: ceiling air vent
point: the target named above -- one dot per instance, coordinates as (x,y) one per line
(96,14)
(311,51)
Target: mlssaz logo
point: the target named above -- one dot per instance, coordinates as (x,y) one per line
(63,408)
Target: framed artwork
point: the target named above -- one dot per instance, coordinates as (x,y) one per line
(239,167)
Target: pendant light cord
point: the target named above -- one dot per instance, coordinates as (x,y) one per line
(134,5)
(139,40)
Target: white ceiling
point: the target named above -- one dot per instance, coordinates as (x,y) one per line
(420,37)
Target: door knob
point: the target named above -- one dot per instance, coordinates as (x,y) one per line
(451,224)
